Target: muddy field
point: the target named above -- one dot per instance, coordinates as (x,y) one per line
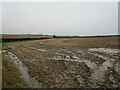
(67,63)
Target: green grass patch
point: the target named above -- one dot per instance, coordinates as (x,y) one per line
(11,76)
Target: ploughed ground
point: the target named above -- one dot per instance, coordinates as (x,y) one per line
(67,63)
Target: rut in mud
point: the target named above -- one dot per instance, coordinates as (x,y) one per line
(44,65)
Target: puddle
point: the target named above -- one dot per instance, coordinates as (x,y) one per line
(31,60)
(23,70)
(20,52)
(99,74)
(75,57)
(42,50)
(105,50)
(41,43)
(32,47)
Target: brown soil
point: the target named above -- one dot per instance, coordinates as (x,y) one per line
(70,62)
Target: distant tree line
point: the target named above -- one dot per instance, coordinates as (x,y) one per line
(85,36)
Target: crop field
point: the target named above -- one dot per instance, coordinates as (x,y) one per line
(21,36)
(66,62)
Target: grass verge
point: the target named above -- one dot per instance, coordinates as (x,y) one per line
(11,77)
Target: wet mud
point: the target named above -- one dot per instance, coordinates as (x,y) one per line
(45,66)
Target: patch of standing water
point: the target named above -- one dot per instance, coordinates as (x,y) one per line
(105,50)
(23,70)
(42,50)
(98,75)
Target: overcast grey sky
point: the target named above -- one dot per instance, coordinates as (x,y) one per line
(63,18)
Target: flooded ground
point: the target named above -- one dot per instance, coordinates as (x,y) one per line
(49,64)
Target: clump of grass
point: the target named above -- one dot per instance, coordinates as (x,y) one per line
(11,76)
